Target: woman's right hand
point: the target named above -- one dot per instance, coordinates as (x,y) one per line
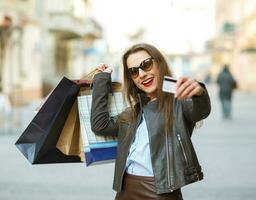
(102,67)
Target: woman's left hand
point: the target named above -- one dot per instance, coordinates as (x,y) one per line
(187,88)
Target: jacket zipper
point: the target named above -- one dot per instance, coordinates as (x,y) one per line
(182,148)
(168,160)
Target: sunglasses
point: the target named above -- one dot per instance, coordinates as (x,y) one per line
(146,65)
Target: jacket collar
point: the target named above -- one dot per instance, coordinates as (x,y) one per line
(143,99)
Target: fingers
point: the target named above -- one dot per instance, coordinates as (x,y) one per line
(187,88)
(182,86)
(108,70)
(103,67)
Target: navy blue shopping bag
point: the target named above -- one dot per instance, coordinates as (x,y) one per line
(38,141)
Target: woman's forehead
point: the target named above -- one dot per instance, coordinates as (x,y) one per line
(136,58)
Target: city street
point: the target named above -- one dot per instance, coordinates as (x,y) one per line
(226,150)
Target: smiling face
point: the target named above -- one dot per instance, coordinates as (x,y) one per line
(147,81)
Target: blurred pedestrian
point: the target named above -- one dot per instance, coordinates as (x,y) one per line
(155,155)
(227,84)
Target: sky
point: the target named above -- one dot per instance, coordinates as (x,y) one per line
(175,26)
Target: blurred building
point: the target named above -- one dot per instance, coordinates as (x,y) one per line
(70,33)
(42,41)
(19,51)
(190,64)
(235,42)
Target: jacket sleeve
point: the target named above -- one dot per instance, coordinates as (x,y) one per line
(101,122)
(197,107)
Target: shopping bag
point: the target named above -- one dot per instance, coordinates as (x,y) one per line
(97,153)
(38,141)
(70,141)
(98,149)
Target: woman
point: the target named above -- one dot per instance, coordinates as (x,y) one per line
(155,156)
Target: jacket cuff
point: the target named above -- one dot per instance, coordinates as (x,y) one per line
(102,75)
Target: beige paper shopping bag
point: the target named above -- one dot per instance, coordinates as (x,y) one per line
(70,141)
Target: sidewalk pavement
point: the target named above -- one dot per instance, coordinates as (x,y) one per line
(225,150)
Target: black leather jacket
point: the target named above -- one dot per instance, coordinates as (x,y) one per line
(173,157)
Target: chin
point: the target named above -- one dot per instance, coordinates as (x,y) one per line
(150,91)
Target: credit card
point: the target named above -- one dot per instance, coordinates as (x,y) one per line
(169,84)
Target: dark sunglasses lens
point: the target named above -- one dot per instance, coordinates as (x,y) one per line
(133,71)
(147,64)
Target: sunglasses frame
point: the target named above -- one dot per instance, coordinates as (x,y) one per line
(141,66)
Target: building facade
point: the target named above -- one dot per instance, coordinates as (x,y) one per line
(42,41)
(235,42)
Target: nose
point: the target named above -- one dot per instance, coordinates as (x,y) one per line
(141,73)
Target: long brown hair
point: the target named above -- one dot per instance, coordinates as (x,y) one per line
(165,100)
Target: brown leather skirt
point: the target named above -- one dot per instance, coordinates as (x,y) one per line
(141,187)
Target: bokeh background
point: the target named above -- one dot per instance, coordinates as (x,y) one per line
(43,40)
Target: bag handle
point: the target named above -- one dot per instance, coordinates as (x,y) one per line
(90,76)
(86,79)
